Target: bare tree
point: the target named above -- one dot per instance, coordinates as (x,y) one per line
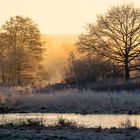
(116,35)
(23,48)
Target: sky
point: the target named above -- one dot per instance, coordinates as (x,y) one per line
(59,16)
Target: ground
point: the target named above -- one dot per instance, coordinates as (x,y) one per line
(64,133)
(71,101)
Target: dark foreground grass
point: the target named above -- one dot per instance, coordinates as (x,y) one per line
(38,123)
(65,131)
(34,129)
(21,123)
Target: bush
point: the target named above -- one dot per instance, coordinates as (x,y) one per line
(84,70)
(66,123)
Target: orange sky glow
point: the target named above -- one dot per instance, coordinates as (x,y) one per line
(58,16)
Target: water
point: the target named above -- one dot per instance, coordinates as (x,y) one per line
(88,121)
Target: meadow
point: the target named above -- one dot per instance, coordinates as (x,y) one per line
(85,101)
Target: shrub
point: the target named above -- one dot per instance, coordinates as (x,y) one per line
(66,123)
(127,124)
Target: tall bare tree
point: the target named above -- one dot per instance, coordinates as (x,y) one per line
(24,48)
(116,35)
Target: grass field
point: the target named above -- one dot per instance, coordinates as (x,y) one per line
(70,101)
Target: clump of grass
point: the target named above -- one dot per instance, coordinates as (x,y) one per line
(30,122)
(37,123)
(127,124)
(66,123)
(34,122)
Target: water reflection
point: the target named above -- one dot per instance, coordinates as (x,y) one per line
(89,121)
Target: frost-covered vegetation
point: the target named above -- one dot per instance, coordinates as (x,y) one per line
(69,101)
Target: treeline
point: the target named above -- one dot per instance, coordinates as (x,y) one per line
(21,51)
(110,48)
(90,69)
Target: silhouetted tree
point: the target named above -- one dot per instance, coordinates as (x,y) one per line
(23,49)
(116,35)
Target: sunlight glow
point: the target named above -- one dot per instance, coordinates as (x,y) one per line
(58,16)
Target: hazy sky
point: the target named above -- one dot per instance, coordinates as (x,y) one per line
(58,16)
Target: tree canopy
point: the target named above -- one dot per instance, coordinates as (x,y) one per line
(21,50)
(115,35)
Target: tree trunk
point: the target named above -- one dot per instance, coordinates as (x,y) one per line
(18,81)
(2,77)
(18,76)
(127,74)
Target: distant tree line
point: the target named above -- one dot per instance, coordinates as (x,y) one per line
(21,51)
(113,44)
(88,69)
